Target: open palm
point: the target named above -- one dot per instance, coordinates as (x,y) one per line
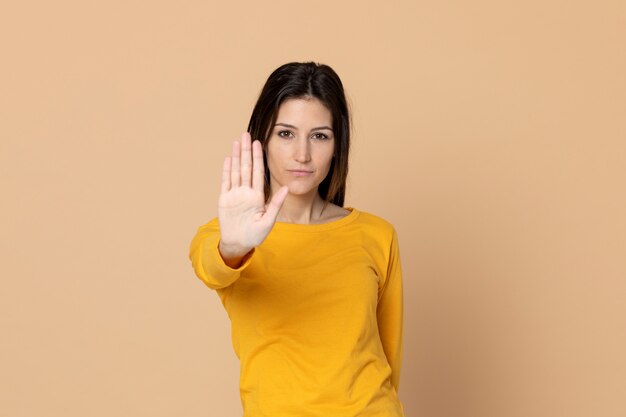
(245,220)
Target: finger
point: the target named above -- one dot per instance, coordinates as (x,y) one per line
(226,175)
(258,176)
(276,203)
(235,173)
(246,160)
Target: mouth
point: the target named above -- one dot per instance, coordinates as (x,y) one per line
(299,172)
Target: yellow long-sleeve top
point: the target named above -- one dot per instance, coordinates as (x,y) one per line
(317,317)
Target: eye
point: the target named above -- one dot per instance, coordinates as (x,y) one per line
(320,136)
(284,133)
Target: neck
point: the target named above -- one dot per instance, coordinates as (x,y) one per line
(302,209)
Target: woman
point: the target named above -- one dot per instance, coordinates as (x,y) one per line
(313,290)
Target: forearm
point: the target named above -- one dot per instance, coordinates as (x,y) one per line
(213,268)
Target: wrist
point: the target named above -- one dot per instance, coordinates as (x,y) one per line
(232,252)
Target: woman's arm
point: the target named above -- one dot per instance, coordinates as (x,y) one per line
(222,248)
(390,312)
(207,261)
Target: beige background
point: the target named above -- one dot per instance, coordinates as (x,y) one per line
(491,134)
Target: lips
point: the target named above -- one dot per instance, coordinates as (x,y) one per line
(299,172)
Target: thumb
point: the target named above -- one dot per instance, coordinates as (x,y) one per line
(276,203)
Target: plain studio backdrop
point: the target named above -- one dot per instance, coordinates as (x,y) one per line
(491,134)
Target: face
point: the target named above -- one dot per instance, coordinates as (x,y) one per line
(301,146)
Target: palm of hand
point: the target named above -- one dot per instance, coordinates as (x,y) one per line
(245,220)
(240,213)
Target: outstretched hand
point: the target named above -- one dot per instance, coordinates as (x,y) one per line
(245,220)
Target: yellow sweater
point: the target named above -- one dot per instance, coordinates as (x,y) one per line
(316,314)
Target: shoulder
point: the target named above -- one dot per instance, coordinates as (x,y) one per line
(379,239)
(375,224)
(374,220)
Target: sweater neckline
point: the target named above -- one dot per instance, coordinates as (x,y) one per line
(319,227)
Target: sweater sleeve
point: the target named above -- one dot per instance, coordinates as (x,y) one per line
(207,261)
(390,312)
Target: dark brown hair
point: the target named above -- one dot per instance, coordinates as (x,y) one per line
(302,80)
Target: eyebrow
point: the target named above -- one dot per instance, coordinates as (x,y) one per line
(295,128)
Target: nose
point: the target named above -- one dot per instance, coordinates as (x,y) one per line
(302,150)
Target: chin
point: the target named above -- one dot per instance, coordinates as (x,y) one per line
(299,189)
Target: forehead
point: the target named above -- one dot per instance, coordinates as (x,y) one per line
(303,112)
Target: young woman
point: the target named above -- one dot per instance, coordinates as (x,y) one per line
(313,290)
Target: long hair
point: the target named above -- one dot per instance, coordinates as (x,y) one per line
(303,80)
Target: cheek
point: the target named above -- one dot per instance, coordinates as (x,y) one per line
(275,159)
(327,156)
